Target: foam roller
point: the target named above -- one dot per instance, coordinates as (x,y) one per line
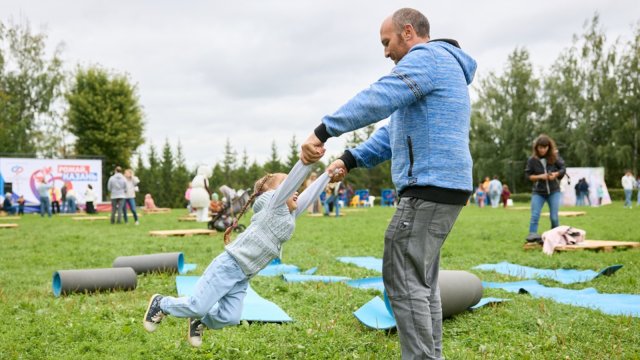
(459,290)
(163,262)
(72,281)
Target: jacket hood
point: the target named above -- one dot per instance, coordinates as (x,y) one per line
(466,62)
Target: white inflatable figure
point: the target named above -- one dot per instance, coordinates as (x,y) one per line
(200,197)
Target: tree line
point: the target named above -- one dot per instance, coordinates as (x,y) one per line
(588,100)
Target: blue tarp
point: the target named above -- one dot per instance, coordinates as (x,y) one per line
(321,278)
(612,304)
(367,262)
(565,276)
(256,308)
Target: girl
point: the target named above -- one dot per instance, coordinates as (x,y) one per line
(217,299)
(545,169)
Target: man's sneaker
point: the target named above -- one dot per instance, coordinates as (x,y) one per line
(137,222)
(196,328)
(154,314)
(533,237)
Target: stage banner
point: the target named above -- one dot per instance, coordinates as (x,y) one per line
(23,175)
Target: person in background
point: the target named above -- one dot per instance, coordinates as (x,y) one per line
(21,202)
(7,206)
(90,199)
(187,197)
(72,201)
(506,194)
(45,198)
(544,169)
(149,204)
(638,187)
(495,190)
(314,208)
(63,198)
(55,199)
(117,186)
(628,183)
(480,196)
(130,195)
(600,193)
(485,188)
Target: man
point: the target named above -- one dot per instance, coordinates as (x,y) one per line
(628,183)
(117,186)
(495,190)
(427,140)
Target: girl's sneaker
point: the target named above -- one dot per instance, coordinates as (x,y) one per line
(154,314)
(196,328)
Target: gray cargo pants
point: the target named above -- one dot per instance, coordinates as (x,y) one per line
(410,271)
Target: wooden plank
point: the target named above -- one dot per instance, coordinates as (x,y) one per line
(518,208)
(156,211)
(182,232)
(321,214)
(189,219)
(72,214)
(598,245)
(10,218)
(568,213)
(8,226)
(89,218)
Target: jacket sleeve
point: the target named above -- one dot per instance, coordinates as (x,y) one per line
(530,168)
(562,170)
(408,82)
(375,150)
(292,182)
(311,193)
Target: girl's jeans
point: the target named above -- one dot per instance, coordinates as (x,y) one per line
(537,201)
(218,296)
(132,206)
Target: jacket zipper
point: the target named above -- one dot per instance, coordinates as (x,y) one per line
(410,156)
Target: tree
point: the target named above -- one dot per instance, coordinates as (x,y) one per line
(294,153)
(506,113)
(167,196)
(105,116)
(229,163)
(30,87)
(273,165)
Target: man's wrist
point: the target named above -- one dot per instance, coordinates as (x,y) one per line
(321,133)
(348,160)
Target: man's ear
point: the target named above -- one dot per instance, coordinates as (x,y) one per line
(407,32)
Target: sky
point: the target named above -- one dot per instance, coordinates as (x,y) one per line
(255,72)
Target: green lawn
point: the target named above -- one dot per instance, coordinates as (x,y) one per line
(37,325)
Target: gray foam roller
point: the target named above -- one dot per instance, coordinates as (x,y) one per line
(71,281)
(459,290)
(163,262)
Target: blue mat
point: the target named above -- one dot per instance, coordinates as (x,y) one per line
(565,276)
(367,262)
(187,267)
(376,314)
(367,283)
(305,277)
(612,304)
(279,269)
(256,308)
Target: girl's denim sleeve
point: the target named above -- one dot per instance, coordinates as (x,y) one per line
(375,150)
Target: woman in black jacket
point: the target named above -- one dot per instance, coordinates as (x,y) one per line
(545,169)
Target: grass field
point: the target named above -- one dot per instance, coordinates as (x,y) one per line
(36,325)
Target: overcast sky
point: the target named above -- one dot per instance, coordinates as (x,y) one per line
(259,71)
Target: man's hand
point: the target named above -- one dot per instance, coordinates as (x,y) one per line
(312,150)
(337,170)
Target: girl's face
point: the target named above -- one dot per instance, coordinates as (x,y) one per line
(292,202)
(542,150)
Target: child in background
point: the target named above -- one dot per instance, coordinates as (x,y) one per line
(149,204)
(21,202)
(219,293)
(89,199)
(480,196)
(506,194)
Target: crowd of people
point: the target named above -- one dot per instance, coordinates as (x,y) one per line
(491,192)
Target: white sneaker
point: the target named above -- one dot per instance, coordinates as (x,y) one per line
(194,336)
(137,223)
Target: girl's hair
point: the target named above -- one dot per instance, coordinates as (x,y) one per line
(267,182)
(544,140)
